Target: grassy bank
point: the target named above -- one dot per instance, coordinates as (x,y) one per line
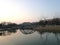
(52,28)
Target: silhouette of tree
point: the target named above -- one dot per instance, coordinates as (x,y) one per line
(0,25)
(56,21)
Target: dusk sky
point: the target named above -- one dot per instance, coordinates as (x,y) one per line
(19,11)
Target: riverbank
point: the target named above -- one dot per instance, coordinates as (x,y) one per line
(52,28)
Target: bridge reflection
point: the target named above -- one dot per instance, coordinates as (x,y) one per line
(27,31)
(5,32)
(43,35)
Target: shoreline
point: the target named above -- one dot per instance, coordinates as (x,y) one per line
(48,28)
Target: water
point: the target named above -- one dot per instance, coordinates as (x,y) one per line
(28,37)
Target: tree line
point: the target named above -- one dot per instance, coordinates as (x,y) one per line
(54,21)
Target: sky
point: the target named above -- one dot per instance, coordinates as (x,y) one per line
(19,11)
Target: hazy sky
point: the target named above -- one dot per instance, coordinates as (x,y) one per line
(28,10)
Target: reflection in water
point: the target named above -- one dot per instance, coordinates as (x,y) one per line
(56,35)
(7,32)
(45,37)
(27,31)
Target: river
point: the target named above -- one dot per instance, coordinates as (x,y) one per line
(28,37)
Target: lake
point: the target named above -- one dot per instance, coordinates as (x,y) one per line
(28,37)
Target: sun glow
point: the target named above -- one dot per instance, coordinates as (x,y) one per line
(9,11)
(12,11)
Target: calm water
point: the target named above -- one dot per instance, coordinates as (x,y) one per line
(28,37)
